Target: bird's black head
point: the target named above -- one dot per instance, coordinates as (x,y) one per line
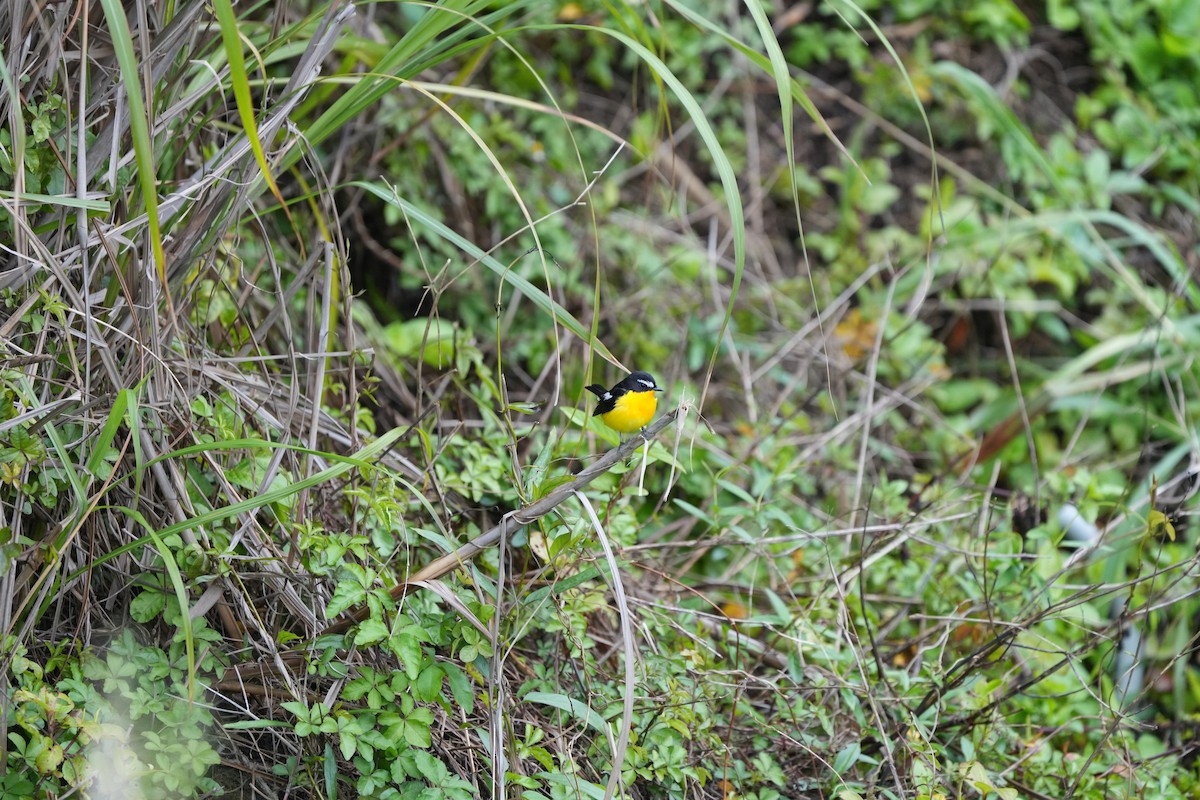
(642,382)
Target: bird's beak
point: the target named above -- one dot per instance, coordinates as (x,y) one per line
(659,389)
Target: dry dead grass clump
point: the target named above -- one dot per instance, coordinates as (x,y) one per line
(168,367)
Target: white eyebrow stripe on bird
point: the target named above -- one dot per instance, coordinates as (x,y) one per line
(646,383)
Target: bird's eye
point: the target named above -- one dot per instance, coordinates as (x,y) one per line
(646,383)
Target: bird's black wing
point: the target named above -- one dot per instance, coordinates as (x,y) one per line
(608,400)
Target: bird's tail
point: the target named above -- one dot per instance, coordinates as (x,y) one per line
(596,389)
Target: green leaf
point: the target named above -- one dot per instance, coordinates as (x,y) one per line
(559,587)
(255,724)
(329,771)
(407,648)
(431,767)
(347,593)
(1159,525)
(147,605)
(432,340)
(460,687)
(550,484)
(571,706)
(417,728)
(347,745)
(299,710)
(429,684)
(573,785)
(846,758)
(370,631)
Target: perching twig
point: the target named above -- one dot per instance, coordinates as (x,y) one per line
(511,522)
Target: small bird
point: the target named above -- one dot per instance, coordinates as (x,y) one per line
(628,406)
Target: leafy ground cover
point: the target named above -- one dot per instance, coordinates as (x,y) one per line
(299,489)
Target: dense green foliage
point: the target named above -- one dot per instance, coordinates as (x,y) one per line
(315,306)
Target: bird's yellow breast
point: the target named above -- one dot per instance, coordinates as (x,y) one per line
(631,412)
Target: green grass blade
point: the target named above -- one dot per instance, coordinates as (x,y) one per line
(344,464)
(1005,119)
(425,44)
(232,40)
(139,124)
(64,200)
(570,706)
(185,617)
(779,71)
(795,90)
(112,424)
(720,161)
(539,297)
